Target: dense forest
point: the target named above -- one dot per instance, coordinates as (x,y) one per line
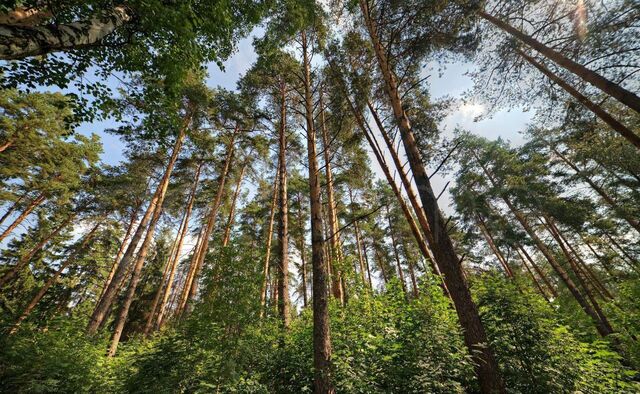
(317,228)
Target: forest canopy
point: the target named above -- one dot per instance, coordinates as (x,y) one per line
(329,220)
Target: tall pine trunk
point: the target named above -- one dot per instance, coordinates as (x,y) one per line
(626,97)
(284,303)
(232,210)
(523,253)
(494,248)
(269,235)
(322,382)
(486,366)
(32,205)
(104,304)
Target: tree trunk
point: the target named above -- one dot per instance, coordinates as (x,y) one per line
(322,381)
(541,274)
(303,253)
(624,96)
(32,205)
(199,256)
(53,279)
(18,42)
(104,305)
(283,220)
(396,254)
(580,276)
(269,235)
(487,235)
(186,286)
(593,107)
(486,366)
(12,208)
(632,261)
(232,211)
(24,260)
(176,256)
(633,222)
(5,146)
(121,249)
(533,277)
(356,231)
(334,245)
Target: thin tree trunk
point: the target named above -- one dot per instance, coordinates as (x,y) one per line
(487,235)
(232,211)
(624,96)
(6,145)
(175,259)
(633,222)
(283,220)
(322,381)
(199,256)
(18,42)
(380,262)
(486,366)
(541,274)
(334,245)
(32,205)
(366,261)
(121,249)
(533,277)
(269,235)
(356,227)
(633,262)
(104,305)
(303,254)
(52,280)
(186,287)
(24,260)
(605,264)
(579,275)
(593,107)
(12,208)
(396,255)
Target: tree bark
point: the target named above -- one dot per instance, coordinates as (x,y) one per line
(52,280)
(624,96)
(32,205)
(269,235)
(356,231)
(593,107)
(486,366)
(334,245)
(6,145)
(199,256)
(487,235)
(104,304)
(322,381)
(12,208)
(303,253)
(284,305)
(232,210)
(396,254)
(164,290)
(533,277)
(24,260)
(19,42)
(541,274)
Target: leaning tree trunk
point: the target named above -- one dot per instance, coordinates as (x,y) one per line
(176,256)
(53,279)
(523,253)
(32,205)
(269,235)
(284,304)
(396,254)
(19,42)
(486,366)
(322,381)
(626,97)
(494,248)
(232,210)
(104,304)
(12,208)
(593,107)
(633,222)
(24,260)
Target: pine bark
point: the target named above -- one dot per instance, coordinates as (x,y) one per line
(232,210)
(334,245)
(12,208)
(284,305)
(489,238)
(269,235)
(322,382)
(626,97)
(104,304)
(396,254)
(486,366)
(541,274)
(19,42)
(303,253)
